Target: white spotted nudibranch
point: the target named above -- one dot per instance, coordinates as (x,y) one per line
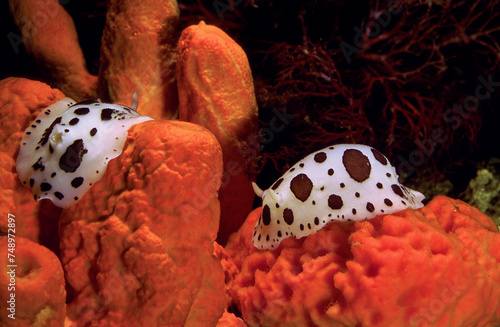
(342,182)
(68,146)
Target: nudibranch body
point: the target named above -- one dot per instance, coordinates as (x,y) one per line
(341,182)
(68,146)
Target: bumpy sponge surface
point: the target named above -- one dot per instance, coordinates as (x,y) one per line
(435,266)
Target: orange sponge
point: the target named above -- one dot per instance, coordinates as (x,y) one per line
(216,91)
(50,37)
(138,55)
(35,286)
(434,266)
(137,249)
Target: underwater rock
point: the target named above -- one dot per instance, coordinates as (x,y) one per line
(216,91)
(137,249)
(434,266)
(37,283)
(21,100)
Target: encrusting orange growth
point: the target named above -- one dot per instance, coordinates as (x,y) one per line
(230,320)
(216,90)
(137,249)
(138,55)
(49,35)
(21,100)
(38,279)
(230,269)
(435,266)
